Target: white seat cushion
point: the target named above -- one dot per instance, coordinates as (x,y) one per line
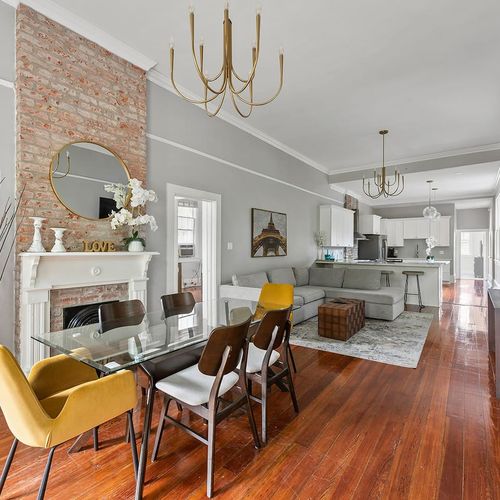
(256,357)
(193,387)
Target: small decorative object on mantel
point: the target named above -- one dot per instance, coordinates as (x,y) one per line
(58,244)
(130,201)
(320,239)
(98,246)
(36,245)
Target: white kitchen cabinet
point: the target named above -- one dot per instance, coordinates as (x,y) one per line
(423,228)
(410,229)
(394,230)
(440,229)
(338,225)
(369,224)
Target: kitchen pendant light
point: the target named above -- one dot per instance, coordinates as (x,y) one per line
(429,211)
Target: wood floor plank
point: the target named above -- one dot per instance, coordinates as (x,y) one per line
(365,431)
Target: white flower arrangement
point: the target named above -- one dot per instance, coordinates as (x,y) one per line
(320,238)
(131,199)
(431,243)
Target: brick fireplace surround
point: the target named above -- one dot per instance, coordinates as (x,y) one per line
(69,88)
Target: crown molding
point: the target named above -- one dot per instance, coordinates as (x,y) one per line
(222,161)
(90,31)
(415,159)
(12,3)
(343,190)
(163,81)
(6,83)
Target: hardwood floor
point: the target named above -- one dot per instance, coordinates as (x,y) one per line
(365,430)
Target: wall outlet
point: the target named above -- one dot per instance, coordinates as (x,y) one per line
(229,245)
(441,252)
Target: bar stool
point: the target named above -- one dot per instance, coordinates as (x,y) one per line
(417,274)
(387,275)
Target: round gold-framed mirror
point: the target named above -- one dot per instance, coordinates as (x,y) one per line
(78,173)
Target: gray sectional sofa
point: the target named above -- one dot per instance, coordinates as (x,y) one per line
(316,284)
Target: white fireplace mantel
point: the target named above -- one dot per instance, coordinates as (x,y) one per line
(42,272)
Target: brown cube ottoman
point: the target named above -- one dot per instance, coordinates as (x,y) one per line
(341,318)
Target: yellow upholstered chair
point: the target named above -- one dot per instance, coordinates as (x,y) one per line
(53,405)
(274,295)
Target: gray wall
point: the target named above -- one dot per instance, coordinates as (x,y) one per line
(176,120)
(410,248)
(7,162)
(473,218)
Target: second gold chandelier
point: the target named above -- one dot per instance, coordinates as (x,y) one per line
(216,87)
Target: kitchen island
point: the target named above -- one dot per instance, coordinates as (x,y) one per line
(430,282)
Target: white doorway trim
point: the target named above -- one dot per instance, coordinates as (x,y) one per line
(211,238)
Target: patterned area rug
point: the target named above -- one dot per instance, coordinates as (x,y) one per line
(399,342)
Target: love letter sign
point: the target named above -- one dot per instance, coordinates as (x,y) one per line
(98,246)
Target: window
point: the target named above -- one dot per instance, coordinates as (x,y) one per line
(186,222)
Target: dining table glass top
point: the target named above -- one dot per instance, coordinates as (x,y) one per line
(113,346)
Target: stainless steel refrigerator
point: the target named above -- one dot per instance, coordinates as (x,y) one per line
(373,248)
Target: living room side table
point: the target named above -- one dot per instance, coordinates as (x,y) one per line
(340,318)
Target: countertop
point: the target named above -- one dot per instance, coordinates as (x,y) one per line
(436,263)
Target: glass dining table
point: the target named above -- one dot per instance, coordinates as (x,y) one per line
(126,343)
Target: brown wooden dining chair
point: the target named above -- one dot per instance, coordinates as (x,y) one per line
(118,314)
(264,365)
(177,303)
(131,312)
(200,388)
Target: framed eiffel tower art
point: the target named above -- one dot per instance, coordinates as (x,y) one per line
(269,236)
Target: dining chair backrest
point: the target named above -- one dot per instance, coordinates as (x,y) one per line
(118,314)
(278,294)
(21,408)
(177,303)
(271,320)
(233,336)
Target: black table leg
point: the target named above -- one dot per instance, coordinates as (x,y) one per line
(145,439)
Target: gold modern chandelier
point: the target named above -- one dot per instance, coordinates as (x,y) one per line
(382,185)
(215,87)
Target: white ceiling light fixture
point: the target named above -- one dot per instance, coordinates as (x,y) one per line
(438,214)
(429,211)
(216,87)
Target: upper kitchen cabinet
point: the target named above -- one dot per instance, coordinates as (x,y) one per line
(416,228)
(369,224)
(394,229)
(338,225)
(440,229)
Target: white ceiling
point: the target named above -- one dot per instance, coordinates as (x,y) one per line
(460,183)
(427,70)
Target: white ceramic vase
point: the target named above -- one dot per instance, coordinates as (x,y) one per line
(58,244)
(135,246)
(36,244)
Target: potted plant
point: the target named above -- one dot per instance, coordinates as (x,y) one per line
(131,200)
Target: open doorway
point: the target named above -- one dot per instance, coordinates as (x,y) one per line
(193,242)
(473,258)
